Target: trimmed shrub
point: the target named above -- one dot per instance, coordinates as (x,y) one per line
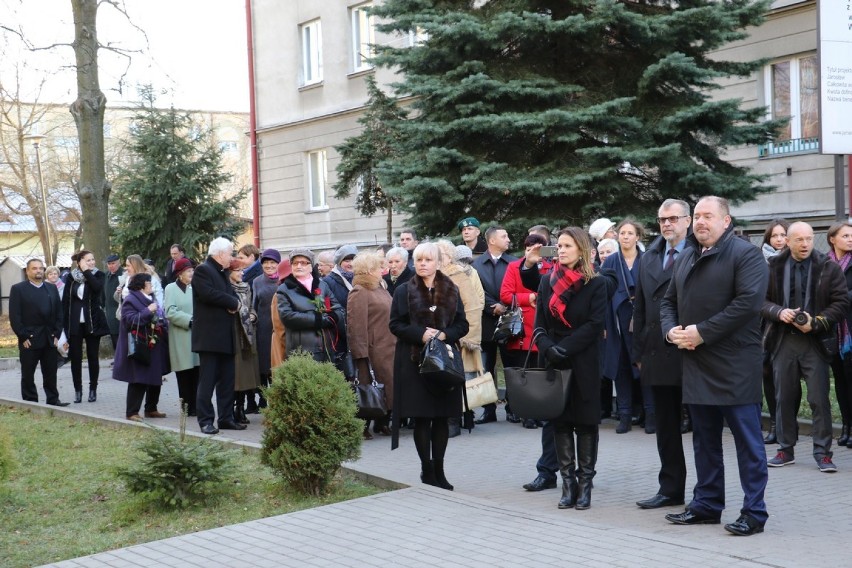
(7,455)
(176,471)
(310,426)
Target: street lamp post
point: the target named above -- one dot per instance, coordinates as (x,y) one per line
(48,253)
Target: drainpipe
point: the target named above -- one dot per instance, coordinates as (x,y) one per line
(255,193)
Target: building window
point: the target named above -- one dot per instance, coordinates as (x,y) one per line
(227,146)
(317,179)
(311,53)
(792,91)
(417,36)
(363,37)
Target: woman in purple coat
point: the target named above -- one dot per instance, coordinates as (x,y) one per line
(141,315)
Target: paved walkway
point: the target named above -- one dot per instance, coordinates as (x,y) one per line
(489,519)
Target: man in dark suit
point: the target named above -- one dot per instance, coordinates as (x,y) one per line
(659,362)
(35,312)
(214,304)
(803,282)
(491,267)
(711,311)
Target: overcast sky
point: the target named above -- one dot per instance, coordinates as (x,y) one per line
(195,51)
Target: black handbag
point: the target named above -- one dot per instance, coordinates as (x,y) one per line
(540,394)
(344,363)
(441,364)
(370,397)
(137,346)
(510,325)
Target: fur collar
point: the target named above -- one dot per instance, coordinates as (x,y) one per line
(444,298)
(292,284)
(366,281)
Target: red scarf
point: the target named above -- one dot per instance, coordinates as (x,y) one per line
(565,283)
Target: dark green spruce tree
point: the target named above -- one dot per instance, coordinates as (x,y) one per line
(171,192)
(359,155)
(558,111)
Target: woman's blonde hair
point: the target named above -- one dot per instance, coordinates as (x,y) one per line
(448,251)
(366,262)
(139,266)
(51,269)
(581,239)
(428,249)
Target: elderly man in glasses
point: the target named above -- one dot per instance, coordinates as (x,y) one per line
(660,365)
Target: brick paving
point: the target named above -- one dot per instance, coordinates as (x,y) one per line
(489,518)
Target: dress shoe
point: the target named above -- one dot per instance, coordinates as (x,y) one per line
(229,425)
(689,517)
(744,526)
(58,403)
(154,414)
(134,418)
(78,396)
(530,424)
(770,438)
(512,417)
(209,429)
(540,483)
(658,501)
(488,415)
(93,395)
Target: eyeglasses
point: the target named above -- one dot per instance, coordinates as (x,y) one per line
(671,220)
(300,263)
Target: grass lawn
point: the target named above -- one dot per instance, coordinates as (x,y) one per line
(64,501)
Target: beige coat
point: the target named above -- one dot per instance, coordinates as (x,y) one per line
(473,298)
(367,320)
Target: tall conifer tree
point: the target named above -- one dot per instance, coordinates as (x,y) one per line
(562,110)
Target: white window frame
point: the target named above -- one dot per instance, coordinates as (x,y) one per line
(363,36)
(417,36)
(317,180)
(795,92)
(310,34)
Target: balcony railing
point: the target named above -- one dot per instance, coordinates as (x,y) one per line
(787,147)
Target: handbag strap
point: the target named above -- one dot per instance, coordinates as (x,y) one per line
(536,333)
(355,381)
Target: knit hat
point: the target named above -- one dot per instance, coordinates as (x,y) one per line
(270,254)
(301,252)
(463,251)
(468,222)
(181,264)
(343,252)
(599,228)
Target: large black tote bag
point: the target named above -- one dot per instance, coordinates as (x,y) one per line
(540,394)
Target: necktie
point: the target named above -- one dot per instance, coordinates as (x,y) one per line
(798,288)
(670,259)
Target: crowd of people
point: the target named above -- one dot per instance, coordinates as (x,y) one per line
(686,332)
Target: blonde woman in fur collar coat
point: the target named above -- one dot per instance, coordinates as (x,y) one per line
(370,340)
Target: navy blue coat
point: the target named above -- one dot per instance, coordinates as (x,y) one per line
(620,312)
(721,292)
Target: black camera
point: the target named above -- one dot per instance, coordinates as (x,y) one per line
(801,318)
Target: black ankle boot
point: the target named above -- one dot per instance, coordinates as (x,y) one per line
(440,478)
(78,396)
(239,410)
(93,394)
(624,424)
(844,435)
(771,438)
(427,474)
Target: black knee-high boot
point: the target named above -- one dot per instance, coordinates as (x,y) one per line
(565,456)
(587,457)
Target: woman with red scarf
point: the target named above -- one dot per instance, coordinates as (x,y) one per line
(571,311)
(840,238)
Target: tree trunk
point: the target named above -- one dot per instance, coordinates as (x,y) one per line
(88,110)
(389,224)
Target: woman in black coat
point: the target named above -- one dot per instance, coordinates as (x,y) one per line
(571,309)
(84,320)
(840,238)
(427,305)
